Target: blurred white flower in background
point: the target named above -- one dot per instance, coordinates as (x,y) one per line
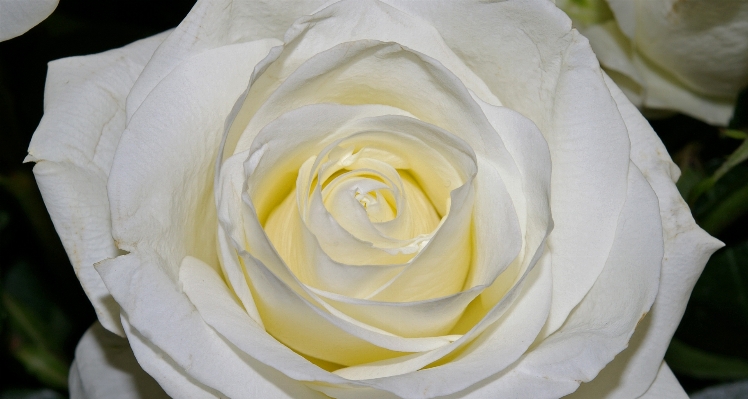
(689,56)
(18,16)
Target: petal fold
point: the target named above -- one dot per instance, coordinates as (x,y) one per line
(105,367)
(74,145)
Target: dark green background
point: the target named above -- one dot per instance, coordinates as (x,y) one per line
(43,311)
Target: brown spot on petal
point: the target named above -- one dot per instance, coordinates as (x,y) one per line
(641,318)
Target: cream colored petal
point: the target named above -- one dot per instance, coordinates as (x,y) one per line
(221,311)
(519,142)
(160,314)
(602,324)
(550,75)
(161,184)
(369,72)
(520,65)
(84,116)
(18,16)
(494,349)
(322,332)
(348,21)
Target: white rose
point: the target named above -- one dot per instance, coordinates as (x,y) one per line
(688,56)
(18,16)
(410,200)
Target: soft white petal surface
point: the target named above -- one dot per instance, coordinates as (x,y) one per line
(18,16)
(665,386)
(84,116)
(570,104)
(687,248)
(105,367)
(137,281)
(161,183)
(215,23)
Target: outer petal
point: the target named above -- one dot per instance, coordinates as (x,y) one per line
(215,23)
(18,16)
(74,146)
(665,386)
(614,51)
(105,367)
(558,85)
(168,152)
(687,248)
(176,346)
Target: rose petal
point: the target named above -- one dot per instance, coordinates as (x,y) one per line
(168,153)
(214,301)
(600,326)
(160,313)
(665,386)
(173,380)
(588,180)
(74,146)
(215,23)
(700,43)
(17,17)
(662,92)
(625,13)
(687,248)
(589,169)
(348,21)
(105,367)
(499,345)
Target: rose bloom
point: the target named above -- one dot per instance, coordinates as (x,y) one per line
(365,199)
(689,56)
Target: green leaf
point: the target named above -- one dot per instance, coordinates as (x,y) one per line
(693,362)
(46,366)
(735,134)
(737,157)
(25,321)
(30,345)
(36,327)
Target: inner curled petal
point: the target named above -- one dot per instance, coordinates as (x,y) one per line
(412,169)
(368,194)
